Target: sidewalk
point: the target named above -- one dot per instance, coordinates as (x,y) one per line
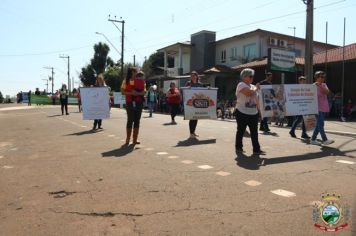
(341,128)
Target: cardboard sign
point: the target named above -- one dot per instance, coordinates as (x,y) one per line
(95,103)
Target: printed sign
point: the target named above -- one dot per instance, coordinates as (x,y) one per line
(95,103)
(281,60)
(288,100)
(119,98)
(199,103)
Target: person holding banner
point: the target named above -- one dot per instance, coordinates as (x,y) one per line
(323,106)
(173,97)
(264,120)
(134,89)
(298,119)
(247,112)
(194,82)
(63,97)
(100,82)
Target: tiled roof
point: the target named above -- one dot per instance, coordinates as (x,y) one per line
(334,55)
(219,69)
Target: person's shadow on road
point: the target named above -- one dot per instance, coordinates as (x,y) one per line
(84,132)
(191,142)
(254,162)
(119,152)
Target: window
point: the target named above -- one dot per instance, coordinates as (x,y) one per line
(223,56)
(250,51)
(233,56)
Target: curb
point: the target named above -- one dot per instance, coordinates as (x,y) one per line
(349,134)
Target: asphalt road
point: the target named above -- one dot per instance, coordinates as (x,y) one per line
(59,178)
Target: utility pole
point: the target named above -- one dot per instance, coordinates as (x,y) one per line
(326,50)
(122,41)
(52,78)
(343,68)
(46,84)
(308,59)
(295,67)
(134,60)
(69,84)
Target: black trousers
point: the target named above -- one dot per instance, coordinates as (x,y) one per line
(64,105)
(133,115)
(244,120)
(97,123)
(174,110)
(192,126)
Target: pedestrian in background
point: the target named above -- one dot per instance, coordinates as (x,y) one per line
(100,82)
(29,98)
(323,106)
(247,112)
(79,99)
(298,119)
(194,82)
(131,87)
(151,100)
(173,97)
(264,120)
(63,97)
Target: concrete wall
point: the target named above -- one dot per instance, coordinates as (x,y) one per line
(203,52)
(186,62)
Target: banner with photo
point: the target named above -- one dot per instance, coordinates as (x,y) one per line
(199,103)
(95,103)
(280,100)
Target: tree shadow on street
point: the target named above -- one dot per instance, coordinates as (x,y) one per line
(119,152)
(254,162)
(192,142)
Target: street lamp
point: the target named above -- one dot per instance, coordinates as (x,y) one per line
(108,41)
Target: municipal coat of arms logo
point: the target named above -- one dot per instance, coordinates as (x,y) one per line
(330,214)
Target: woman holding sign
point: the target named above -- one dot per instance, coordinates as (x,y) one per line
(99,83)
(194,82)
(246,111)
(134,89)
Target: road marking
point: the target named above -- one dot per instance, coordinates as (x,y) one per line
(78,182)
(345,162)
(283,193)
(7,167)
(205,167)
(173,157)
(83,126)
(13,149)
(149,149)
(1,157)
(187,162)
(111,135)
(211,137)
(162,153)
(253,183)
(223,173)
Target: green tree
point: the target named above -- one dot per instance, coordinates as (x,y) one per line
(98,64)
(155,61)
(111,76)
(1,98)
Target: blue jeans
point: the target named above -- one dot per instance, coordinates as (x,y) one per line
(151,106)
(320,127)
(296,122)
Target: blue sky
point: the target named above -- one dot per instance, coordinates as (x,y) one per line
(34,33)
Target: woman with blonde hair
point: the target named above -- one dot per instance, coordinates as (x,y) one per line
(100,82)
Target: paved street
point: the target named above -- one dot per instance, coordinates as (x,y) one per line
(59,178)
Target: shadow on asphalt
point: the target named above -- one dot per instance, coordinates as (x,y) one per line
(53,116)
(119,152)
(192,142)
(84,132)
(170,123)
(254,162)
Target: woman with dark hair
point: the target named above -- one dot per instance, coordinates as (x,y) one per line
(194,82)
(173,97)
(134,89)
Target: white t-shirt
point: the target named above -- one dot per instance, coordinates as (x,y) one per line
(245,104)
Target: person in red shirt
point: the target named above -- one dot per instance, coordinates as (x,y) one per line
(173,97)
(133,87)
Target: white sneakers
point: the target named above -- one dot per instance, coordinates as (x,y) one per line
(326,142)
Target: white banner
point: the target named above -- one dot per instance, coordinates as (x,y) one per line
(288,100)
(119,98)
(199,103)
(95,103)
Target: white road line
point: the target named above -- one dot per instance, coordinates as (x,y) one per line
(205,167)
(111,135)
(7,167)
(83,126)
(148,149)
(162,153)
(187,162)
(283,193)
(253,183)
(173,157)
(1,157)
(222,173)
(13,149)
(345,162)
